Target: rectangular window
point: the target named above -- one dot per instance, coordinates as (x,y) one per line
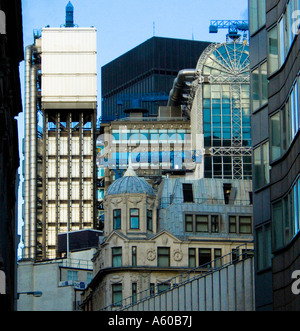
(117,257)
(257,15)
(149,220)
(273,52)
(134,293)
(218,257)
(163,287)
(117,219)
(259,80)
(134,219)
(189,223)
(232,224)
(264,249)
(235,255)
(214,223)
(245,224)
(152,289)
(188,193)
(261,166)
(205,257)
(201,223)
(117,295)
(275,137)
(72,275)
(192,257)
(163,256)
(133,256)
(277,225)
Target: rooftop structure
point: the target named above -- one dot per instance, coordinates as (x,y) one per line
(144,75)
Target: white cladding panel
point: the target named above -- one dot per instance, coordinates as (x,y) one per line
(69,65)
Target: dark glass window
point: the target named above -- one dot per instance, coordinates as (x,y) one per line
(188,193)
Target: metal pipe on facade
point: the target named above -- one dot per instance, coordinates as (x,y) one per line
(27,157)
(33,160)
(180,83)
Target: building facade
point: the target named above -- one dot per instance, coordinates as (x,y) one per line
(56,285)
(11,54)
(59,144)
(151,238)
(144,75)
(274,53)
(220,110)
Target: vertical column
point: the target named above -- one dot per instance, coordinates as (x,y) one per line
(33,161)
(27,152)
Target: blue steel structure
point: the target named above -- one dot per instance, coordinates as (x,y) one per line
(233,27)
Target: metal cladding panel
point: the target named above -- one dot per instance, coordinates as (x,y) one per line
(69,66)
(69,40)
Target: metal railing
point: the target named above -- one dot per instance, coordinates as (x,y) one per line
(76,263)
(240,253)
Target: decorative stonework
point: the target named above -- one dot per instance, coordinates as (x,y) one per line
(151,255)
(177,255)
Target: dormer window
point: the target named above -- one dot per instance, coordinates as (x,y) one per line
(134,218)
(188,195)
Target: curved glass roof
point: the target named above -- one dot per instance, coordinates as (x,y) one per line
(226,62)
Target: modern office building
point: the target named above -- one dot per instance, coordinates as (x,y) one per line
(275,65)
(59,144)
(11,54)
(143,77)
(220,111)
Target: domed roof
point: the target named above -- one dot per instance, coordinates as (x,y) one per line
(130,183)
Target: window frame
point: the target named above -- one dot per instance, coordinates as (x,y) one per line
(115,262)
(131,217)
(161,255)
(116,219)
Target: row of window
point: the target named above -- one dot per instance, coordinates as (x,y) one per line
(286,216)
(117,289)
(282,35)
(72,275)
(211,224)
(163,257)
(204,257)
(134,219)
(285,123)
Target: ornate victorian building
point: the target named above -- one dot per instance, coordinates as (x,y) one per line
(152,238)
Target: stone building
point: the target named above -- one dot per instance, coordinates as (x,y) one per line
(151,237)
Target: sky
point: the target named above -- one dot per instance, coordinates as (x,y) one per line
(124,24)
